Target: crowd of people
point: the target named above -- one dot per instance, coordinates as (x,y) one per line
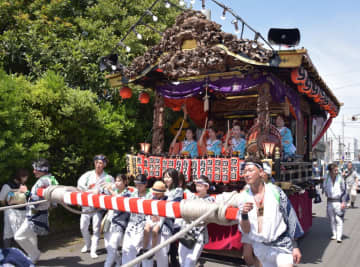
(267,221)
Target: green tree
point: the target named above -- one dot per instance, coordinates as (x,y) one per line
(59,99)
(69,36)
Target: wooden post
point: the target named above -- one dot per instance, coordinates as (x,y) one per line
(300,136)
(158,125)
(309,139)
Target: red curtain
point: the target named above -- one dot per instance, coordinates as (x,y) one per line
(322,132)
(194,106)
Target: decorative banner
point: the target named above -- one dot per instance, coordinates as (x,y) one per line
(225,170)
(234,169)
(202,167)
(179,165)
(146,167)
(171,163)
(187,169)
(164,164)
(155,168)
(210,169)
(195,169)
(217,170)
(241,169)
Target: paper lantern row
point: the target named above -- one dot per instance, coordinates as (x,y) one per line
(305,85)
(126,93)
(218,170)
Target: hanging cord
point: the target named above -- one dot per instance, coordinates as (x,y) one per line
(181,233)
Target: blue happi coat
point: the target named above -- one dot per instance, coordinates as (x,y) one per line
(239,146)
(191,147)
(214,146)
(287,142)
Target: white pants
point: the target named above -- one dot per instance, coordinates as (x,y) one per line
(85,219)
(272,256)
(189,257)
(27,239)
(112,242)
(131,245)
(336,222)
(13,219)
(161,256)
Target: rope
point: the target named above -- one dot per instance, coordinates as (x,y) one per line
(179,234)
(78,212)
(57,196)
(22,205)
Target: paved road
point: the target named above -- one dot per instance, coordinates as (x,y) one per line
(316,246)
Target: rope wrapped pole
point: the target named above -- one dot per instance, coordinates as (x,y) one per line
(185,209)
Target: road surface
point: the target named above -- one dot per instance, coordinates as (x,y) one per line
(316,246)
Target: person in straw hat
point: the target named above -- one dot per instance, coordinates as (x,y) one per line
(154,223)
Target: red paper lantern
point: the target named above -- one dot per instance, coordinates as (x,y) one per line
(176,108)
(299,75)
(144,98)
(308,87)
(125,92)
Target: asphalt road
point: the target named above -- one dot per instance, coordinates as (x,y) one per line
(317,248)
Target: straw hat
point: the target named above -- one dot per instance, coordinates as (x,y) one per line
(158,187)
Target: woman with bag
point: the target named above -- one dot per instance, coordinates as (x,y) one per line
(12,193)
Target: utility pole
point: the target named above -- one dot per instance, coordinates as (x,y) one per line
(343,136)
(340,152)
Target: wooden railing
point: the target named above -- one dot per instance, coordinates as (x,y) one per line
(295,172)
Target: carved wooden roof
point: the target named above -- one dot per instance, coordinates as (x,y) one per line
(195,46)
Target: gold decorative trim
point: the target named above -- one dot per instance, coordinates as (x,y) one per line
(241,96)
(189,44)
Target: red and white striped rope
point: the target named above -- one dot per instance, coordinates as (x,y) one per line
(133,205)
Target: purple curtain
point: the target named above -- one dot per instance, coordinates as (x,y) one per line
(232,86)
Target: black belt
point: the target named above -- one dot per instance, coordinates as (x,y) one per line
(333,199)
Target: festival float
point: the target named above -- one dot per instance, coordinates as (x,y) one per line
(216,74)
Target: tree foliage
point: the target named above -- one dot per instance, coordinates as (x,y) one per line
(51,89)
(69,36)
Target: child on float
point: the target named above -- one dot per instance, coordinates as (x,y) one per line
(188,256)
(134,232)
(118,220)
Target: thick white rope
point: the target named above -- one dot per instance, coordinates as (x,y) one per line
(23,205)
(179,234)
(52,193)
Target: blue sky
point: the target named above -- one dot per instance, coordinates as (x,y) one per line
(330,31)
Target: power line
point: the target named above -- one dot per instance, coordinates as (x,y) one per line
(346,86)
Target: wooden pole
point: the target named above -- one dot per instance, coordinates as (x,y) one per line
(158,125)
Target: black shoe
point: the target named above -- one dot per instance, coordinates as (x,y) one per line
(141,251)
(352,205)
(339,241)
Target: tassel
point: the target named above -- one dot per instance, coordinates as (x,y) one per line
(206,101)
